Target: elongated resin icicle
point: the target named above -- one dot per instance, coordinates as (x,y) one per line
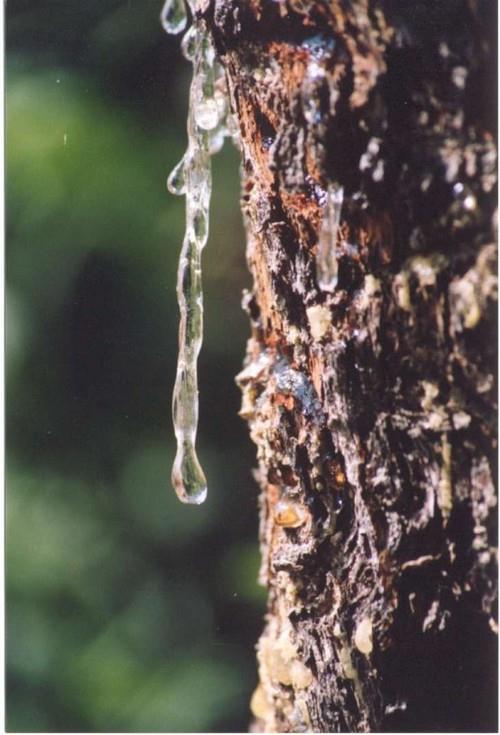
(193,178)
(206,128)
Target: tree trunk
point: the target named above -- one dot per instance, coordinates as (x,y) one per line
(371,403)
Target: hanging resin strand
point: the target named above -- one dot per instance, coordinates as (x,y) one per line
(187,475)
(206,128)
(326,259)
(192,177)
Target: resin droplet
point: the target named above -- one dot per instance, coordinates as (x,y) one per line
(326,259)
(173,16)
(207,114)
(311,92)
(338,503)
(188,478)
(176,182)
(188,43)
(464,195)
(288,514)
(217,138)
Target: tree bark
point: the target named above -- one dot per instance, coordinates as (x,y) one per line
(372,405)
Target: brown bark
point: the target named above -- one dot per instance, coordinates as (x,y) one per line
(371,406)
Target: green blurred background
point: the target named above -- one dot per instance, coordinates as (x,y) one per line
(126,611)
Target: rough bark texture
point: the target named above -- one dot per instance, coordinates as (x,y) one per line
(372,407)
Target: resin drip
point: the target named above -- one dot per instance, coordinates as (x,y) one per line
(192,176)
(326,260)
(173,16)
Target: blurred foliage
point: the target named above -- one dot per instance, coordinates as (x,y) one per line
(125,609)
